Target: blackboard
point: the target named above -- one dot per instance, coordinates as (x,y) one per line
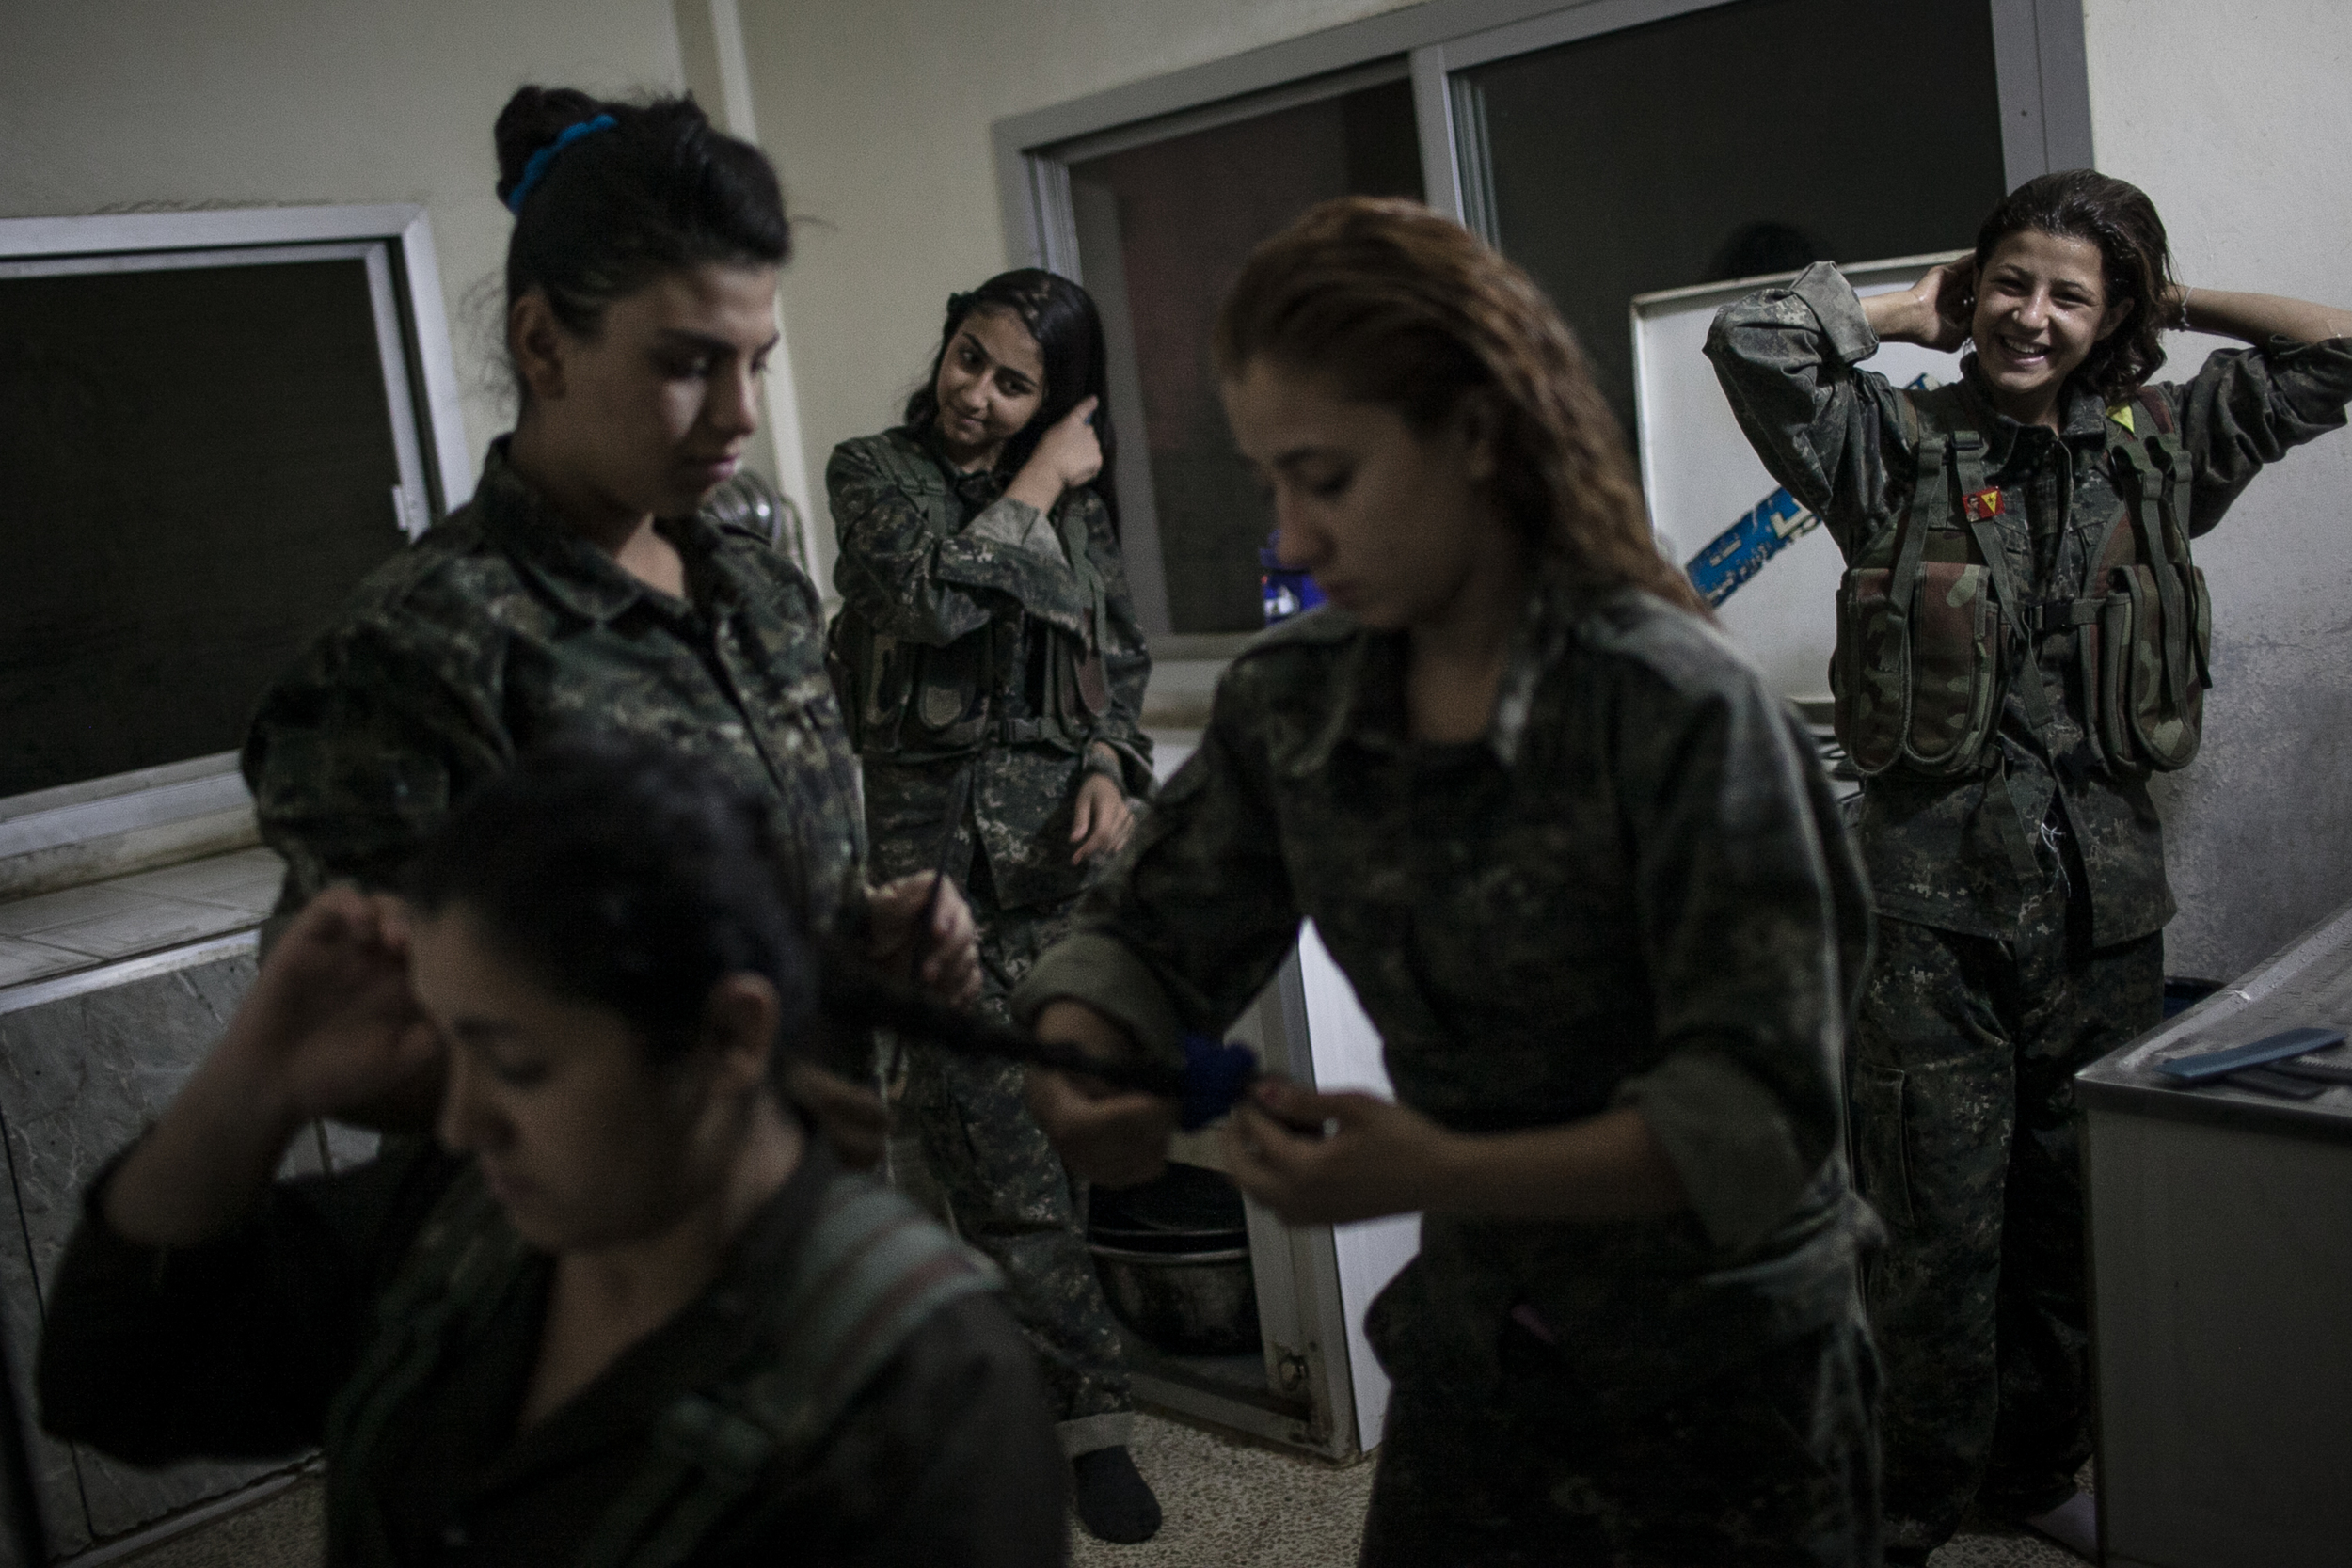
(197,465)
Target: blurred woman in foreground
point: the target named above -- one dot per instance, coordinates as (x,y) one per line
(627,1310)
(1584,875)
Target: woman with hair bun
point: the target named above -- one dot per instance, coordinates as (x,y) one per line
(2022,641)
(989,659)
(1585,876)
(628,1311)
(581,589)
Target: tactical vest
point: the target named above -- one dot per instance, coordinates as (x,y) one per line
(872,1271)
(1931,627)
(918,702)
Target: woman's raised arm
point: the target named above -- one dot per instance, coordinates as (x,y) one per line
(329,1026)
(931,588)
(2255,318)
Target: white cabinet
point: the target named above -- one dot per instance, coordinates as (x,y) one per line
(2221,1267)
(1317,1385)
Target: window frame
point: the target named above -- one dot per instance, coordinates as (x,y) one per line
(2039,63)
(45,832)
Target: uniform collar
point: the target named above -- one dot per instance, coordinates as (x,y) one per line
(573,572)
(2082,414)
(1367,704)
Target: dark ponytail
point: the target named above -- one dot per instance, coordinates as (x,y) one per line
(629,877)
(1061,317)
(615,208)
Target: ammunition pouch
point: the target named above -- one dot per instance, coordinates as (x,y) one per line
(1931,629)
(916,702)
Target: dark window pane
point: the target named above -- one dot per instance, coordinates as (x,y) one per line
(1163,230)
(1738,140)
(196,465)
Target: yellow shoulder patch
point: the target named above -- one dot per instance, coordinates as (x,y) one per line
(2122,413)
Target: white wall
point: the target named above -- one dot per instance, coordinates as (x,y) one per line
(114,104)
(2234,119)
(876,113)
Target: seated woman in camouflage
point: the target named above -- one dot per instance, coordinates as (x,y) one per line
(1585,876)
(992,672)
(628,1311)
(581,589)
(2022,641)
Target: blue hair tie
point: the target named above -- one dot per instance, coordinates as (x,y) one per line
(536,168)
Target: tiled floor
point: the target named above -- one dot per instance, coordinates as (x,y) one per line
(1230,1505)
(56,933)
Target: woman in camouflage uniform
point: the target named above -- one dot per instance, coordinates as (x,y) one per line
(1584,875)
(992,674)
(626,1311)
(583,589)
(2022,642)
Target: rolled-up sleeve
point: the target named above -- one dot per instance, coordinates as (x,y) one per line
(1786,359)
(2248,407)
(1752,922)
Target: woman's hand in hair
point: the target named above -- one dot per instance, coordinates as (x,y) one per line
(1117,1137)
(330,1020)
(950,967)
(1067,456)
(328,1026)
(1934,313)
(1101,819)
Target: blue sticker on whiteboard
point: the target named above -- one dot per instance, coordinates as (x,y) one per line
(1741,551)
(1738,553)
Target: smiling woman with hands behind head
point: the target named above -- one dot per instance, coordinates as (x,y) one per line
(2021,639)
(628,1311)
(1585,877)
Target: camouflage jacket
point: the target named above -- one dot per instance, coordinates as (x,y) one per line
(1788,360)
(255,1343)
(500,627)
(934,565)
(1635,890)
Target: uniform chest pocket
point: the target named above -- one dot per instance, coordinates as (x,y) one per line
(951,691)
(1533,929)
(1916,682)
(2152,673)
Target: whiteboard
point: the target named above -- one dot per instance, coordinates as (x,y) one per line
(1701,475)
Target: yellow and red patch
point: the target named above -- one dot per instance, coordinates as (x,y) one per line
(1984,504)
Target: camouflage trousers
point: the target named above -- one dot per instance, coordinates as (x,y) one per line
(1965,1143)
(1012,1199)
(1770,1465)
